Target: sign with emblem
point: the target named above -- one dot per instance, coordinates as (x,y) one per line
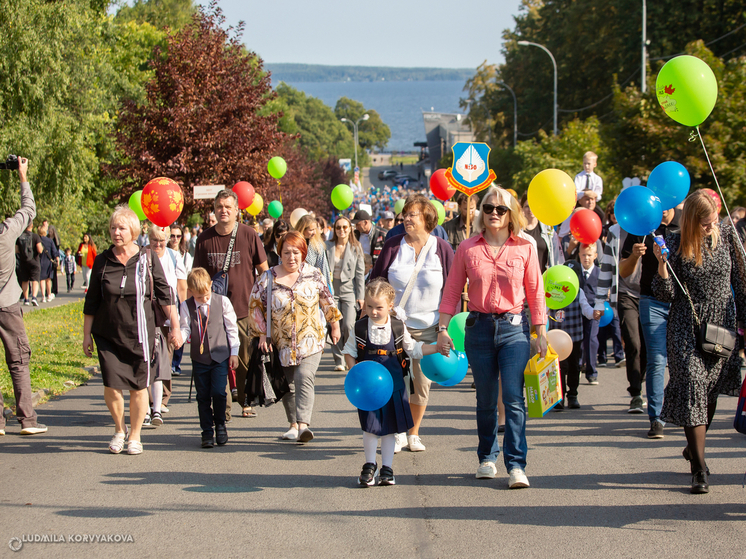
(471,172)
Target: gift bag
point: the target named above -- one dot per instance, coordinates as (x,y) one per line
(265,382)
(739,423)
(543,383)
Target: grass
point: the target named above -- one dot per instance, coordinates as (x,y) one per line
(56,337)
(406,159)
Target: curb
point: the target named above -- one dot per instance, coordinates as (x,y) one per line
(37,396)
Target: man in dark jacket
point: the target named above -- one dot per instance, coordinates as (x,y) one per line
(368,234)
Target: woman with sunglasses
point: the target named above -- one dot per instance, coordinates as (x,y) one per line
(347,264)
(503,271)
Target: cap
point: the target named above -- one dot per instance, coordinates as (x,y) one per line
(387,215)
(361,215)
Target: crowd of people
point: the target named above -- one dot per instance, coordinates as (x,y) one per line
(386,291)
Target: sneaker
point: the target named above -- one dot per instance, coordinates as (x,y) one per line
(176,374)
(573,403)
(305,435)
(26,302)
(164,409)
(43,299)
(147,423)
(234,394)
(340,368)
(386,476)
(51,297)
(35,430)
(291,434)
(207,441)
(656,430)
(2,432)
(221,435)
(415,443)
(636,405)
(486,470)
(367,475)
(592,379)
(400,441)
(559,406)
(156,419)
(34,301)
(518,479)
(622,363)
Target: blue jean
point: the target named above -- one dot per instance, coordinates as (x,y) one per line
(210,381)
(176,361)
(654,321)
(499,350)
(590,347)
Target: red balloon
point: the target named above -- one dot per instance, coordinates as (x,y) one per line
(162,201)
(585,226)
(715,197)
(440,187)
(245,193)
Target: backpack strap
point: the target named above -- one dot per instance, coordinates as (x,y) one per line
(397,328)
(361,337)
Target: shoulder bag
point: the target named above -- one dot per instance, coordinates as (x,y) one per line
(220,280)
(417,267)
(711,339)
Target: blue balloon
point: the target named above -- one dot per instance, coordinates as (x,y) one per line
(607,317)
(439,368)
(670,181)
(460,374)
(368,386)
(638,210)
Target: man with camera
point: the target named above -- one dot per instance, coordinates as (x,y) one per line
(12,329)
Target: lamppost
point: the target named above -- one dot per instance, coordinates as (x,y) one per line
(366,116)
(515,113)
(554,62)
(643,84)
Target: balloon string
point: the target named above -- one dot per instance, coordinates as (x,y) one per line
(279,190)
(725,204)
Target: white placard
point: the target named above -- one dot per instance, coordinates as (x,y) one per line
(207,192)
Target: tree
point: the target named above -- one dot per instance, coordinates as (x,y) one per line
(161,14)
(205,119)
(372,133)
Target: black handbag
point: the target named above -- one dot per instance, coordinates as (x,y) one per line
(711,339)
(220,280)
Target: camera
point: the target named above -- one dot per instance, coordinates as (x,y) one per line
(11,163)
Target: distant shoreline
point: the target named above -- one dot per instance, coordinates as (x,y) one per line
(287,72)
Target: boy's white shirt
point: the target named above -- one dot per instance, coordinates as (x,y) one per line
(380,334)
(230,322)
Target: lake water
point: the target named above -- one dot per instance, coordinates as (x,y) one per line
(400,104)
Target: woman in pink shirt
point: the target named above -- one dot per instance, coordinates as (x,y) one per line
(503,272)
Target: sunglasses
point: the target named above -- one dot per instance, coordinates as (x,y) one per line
(176,236)
(489,208)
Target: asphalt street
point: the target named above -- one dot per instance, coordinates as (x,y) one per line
(599,487)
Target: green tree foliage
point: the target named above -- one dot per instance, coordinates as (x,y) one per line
(372,133)
(319,131)
(161,14)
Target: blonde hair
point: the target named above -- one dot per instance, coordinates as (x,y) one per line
(317,242)
(697,206)
(590,155)
(504,198)
(198,281)
(158,233)
(379,287)
(125,215)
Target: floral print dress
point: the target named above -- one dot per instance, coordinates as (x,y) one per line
(696,379)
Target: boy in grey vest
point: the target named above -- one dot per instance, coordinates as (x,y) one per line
(211,321)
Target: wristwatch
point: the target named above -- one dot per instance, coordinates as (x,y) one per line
(442,329)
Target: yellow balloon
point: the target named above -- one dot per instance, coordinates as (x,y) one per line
(551,196)
(256,206)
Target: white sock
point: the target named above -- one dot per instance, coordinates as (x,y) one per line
(156,392)
(370,444)
(388,443)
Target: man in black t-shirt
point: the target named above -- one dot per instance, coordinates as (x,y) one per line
(653,315)
(29,249)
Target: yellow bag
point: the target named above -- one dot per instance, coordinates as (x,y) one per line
(543,383)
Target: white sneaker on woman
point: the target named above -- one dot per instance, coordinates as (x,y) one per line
(486,470)
(518,479)
(400,441)
(414,443)
(291,434)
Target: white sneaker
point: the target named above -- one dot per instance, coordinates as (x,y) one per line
(291,434)
(414,443)
(164,409)
(43,299)
(486,470)
(518,479)
(400,441)
(340,368)
(51,297)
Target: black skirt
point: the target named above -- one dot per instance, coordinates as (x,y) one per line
(394,417)
(120,368)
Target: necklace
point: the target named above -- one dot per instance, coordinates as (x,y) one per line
(202,329)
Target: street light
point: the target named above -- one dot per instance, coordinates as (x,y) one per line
(643,85)
(366,116)
(515,113)
(545,49)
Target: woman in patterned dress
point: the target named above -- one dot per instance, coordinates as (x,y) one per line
(707,261)
(298,290)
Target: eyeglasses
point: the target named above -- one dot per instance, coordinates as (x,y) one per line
(411,215)
(157,241)
(489,208)
(176,236)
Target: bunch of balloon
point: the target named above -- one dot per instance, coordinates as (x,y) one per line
(135,204)
(638,210)
(368,386)
(162,201)
(670,182)
(256,205)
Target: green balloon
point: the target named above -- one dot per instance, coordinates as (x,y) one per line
(277,167)
(560,286)
(399,205)
(687,90)
(342,196)
(457,330)
(441,211)
(135,205)
(275,209)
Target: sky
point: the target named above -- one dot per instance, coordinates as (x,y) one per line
(403,33)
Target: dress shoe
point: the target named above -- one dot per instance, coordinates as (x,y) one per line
(207,441)
(699,483)
(573,403)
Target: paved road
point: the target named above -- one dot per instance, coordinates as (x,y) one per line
(599,487)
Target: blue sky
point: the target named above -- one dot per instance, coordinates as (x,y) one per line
(404,33)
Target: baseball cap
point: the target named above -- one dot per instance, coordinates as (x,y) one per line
(387,215)
(361,215)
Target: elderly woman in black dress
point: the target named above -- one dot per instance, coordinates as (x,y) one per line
(119,314)
(707,261)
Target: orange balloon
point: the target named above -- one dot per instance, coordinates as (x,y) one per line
(162,201)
